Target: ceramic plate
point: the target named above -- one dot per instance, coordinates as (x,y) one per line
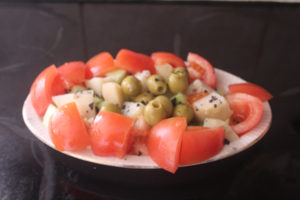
(34,123)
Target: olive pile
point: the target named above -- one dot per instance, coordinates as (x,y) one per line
(156,98)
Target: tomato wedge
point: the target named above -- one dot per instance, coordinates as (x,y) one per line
(200,68)
(161,58)
(42,89)
(100,64)
(252,89)
(164,142)
(67,129)
(72,73)
(247,112)
(134,62)
(111,134)
(199,144)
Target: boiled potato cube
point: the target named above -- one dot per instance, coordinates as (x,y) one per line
(212,106)
(133,109)
(198,86)
(97,83)
(164,71)
(112,92)
(213,123)
(84,101)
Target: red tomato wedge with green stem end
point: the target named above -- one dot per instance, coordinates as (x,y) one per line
(134,62)
(42,89)
(161,58)
(164,142)
(111,134)
(67,129)
(251,89)
(72,73)
(247,112)
(100,64)
(200,144)
(200,68)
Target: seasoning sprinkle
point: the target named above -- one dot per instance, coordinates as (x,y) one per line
(138,105)
(123,107)
(226,141)
(215,105)
(140,153)
(156,79)
(91,105)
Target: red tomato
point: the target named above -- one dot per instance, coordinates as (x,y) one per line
(58,86)
(67,129)
(252,89)
(134,62)
(100,64)
(161,58)
(111,134)
(200,68)
(199,144)
(164,142)
(41,90)
(72,73)
(247,112)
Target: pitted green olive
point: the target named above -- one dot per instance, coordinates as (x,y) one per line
(184,111)
(156,85)
(166,103)
(107,106)
(131,86)
(144,98)
(178,83)
(154,112)
(182,70)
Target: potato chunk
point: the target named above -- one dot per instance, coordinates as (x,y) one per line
(112,92)
(212,106)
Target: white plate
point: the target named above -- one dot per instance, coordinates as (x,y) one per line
(34,123)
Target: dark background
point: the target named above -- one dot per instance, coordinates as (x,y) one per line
(259,42)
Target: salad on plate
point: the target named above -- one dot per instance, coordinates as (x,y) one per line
(158,106)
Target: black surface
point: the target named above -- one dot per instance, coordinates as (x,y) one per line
(259,43)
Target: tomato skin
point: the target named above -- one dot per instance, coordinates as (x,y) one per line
(72,73)
(100,64)
(200,68)
(161,58)
(111,134)
(67,129)
(199,144)
(41,90)
(134,62)
(246,109)
(164,142)
(251,89)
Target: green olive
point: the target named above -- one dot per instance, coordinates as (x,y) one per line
(181,70)
(166,103)
(156,85)
(178,83)
(77,88)
(183,111)
(154,112)
(131,86)
(144,98)
(107,106)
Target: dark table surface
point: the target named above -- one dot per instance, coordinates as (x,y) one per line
(259,42)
